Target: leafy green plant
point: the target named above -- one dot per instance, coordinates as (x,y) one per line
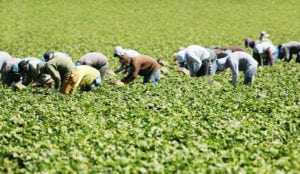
(182,125)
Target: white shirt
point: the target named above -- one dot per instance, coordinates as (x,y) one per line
(194,56)
(262,47)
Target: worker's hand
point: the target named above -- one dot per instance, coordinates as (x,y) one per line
(117,82)
(17,86)
(184,70)
(120,83)
(113,81)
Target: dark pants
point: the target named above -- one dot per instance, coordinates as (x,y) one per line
(256,56)
(9,78)
(298,58)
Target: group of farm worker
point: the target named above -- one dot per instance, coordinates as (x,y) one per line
(90,69)
(201,61)
(67,76)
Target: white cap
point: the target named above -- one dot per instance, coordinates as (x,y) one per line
(118,51)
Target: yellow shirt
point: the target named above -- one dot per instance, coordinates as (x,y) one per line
(86,75)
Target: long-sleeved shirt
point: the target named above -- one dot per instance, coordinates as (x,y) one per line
(86,75)
(140,65)
(130,53)
(239,61)
(58,68)
(4,57)
(194,56)
(289,49)
(94,59)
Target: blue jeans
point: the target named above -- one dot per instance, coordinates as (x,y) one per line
(153,77)
(249,75)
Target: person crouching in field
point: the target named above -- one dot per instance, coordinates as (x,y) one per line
(59,68)
(287,50)
(95,60)
(30,71)
(199,61)
(83,75)
(142,65)
(265,53)
(239,61)
(119,51)
(10,75)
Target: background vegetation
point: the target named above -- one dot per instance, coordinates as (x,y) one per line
(183,125)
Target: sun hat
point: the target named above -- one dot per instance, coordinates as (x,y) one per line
(263,34)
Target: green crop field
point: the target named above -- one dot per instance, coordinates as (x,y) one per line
(182,125)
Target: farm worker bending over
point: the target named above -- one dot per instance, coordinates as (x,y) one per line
(239,61)
(30,73)
(83,75)
(140,65)
(59,69)
(96,60)
(51,55)
(200,61)
(10,74)
(267,52)
(287,50)
(119,51)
